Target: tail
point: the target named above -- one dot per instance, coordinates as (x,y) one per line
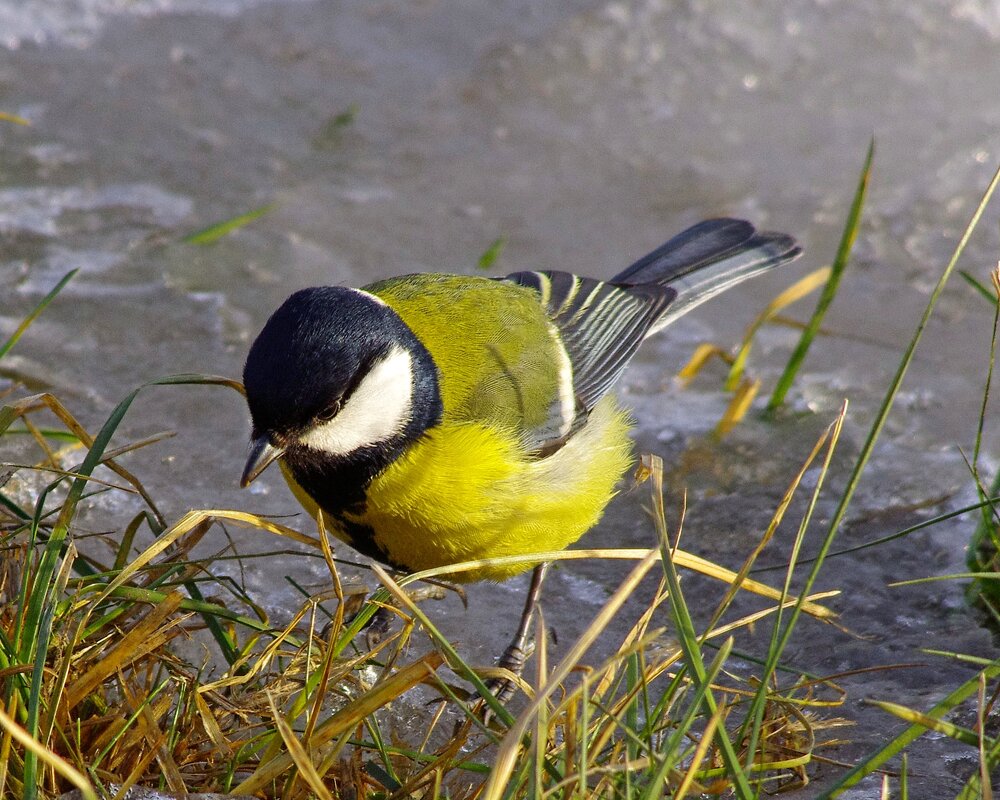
(707,259)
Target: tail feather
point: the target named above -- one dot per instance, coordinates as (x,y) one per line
(707,259)
(700,244)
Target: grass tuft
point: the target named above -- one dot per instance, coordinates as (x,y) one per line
(98,694)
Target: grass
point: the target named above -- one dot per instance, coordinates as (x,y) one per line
(98,693)
(218,230)
(983,557)
(826,297)
(96,696)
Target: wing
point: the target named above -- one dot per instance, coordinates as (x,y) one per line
(601,325)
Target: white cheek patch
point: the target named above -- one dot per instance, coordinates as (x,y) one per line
(377,410)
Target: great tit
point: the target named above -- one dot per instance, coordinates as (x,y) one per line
(442,418)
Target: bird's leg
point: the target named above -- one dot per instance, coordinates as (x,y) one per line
(380,623)
(517,652)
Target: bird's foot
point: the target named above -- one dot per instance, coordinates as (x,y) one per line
(513,661)
(378,626)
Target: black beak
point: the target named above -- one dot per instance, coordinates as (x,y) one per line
(262,453)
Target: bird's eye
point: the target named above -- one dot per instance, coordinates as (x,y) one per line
(329,412)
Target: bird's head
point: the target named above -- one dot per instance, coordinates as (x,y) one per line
(336,376)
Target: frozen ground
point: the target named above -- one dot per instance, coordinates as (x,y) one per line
(584,133)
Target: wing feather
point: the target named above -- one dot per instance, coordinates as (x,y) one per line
(601,324)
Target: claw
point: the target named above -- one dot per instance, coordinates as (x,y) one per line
(519,650)
(378,626)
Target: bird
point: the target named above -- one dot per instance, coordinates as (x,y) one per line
(440,418)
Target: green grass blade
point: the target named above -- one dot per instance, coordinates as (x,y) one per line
(959,733)
(455,661)
(203,608)
(927,523)
(829,291)
(35,592)
(14,509)
(35,700)
(40,638)
(216,231)
(989,756)
(60,529)
(983,548)
(982,545)
(383,772)
(128,727)
(26,322)
(345,117)
(979,286)
(691,646)
(230,652)
(491,253)
(673,751)
(49,433)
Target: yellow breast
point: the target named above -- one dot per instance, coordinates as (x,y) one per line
(465,492)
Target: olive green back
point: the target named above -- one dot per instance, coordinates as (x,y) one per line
(497,355)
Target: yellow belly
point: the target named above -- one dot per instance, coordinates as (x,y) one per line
(464,492)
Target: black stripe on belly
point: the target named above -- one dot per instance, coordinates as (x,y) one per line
(362,539)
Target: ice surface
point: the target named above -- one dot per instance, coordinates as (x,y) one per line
(585,133)
(79,22)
